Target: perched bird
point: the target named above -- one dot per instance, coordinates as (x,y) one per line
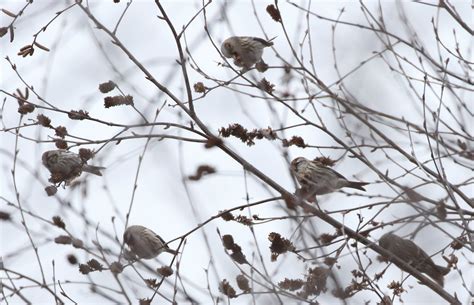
(65,165)
(410,253)
(246,51)
(317,179)
(145,243)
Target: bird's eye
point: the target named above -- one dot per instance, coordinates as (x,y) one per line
(227,45)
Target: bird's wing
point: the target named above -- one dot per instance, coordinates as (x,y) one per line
(246,41)
(262,41)
(336,173)
(415,251)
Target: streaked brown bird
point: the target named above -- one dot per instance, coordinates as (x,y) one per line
(410,253)
(246,51)
(317,179)
(144,242)
(66,165)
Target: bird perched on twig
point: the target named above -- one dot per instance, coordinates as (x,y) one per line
(65,165)
(409,252)
(317,179)
(145,243)
(246,51)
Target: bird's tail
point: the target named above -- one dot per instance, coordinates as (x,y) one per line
(357,185)
(93,169)
(437,273)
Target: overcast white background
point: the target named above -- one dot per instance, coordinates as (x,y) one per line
(69,75)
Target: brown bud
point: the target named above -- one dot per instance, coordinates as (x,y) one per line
(261,66)
(165,271)
(141,301)
(227,289)
(84,269)
(107,87)
(95,265)
(151,283)
(266,86)
(3,31)
(243,283)
(78,115)
(274,13)
(63,239)
(51,190)
(238,256)
(61,131)
(227,216)
(77,243)
(116,268)
(85,154)
(4,216)
(199,87)
(289,284)
(228,241)
(58,222)
(112,101)
(26,108)
(72,259)
(43,120)
(60,143)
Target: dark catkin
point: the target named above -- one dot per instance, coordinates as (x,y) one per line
(199,87)
(201,171)
(326,161)
(274,13)
(85,154)
(77,243)
(60,143)
(266,86)
(58,222)
(227,216)
(60,131)
(43,120)
(458,243)
(72,259)
(143,301)
(237,255)
(228,241)
(296,141)
(116,268)
(152,283)
(26,108)
(3,31)
(95,265)
(107,87)
(112,101)
(279,245)
(243,283)
(290,284)
(326,238)
(4,216)
(78,115)
(165,271)
(63,240)
(226,289)
(51,190)
(261,66)
(84,269)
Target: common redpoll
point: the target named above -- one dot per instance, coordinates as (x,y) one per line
(65,165)
(409,252)
(246,51)
(317,179)
(144,242)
